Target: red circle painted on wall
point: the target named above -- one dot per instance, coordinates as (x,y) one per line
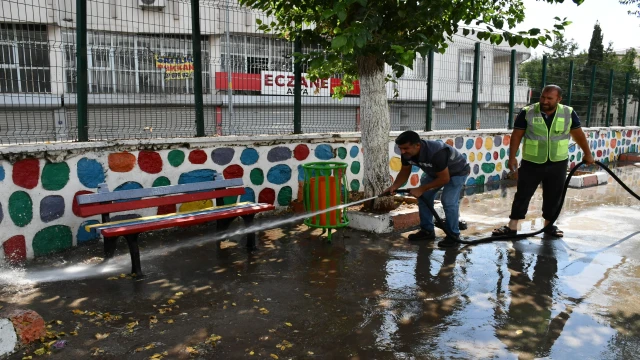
(75,207)
(122,162)
(150,162)
(414,180)
(233,172)
(26,173)
(267,195)
(197,157)
(301,152)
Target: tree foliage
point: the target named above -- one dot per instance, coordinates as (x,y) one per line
(632,2)
(562,52)
(393,32)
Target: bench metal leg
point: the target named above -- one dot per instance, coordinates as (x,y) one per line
(251,237)
(134,251)
(110,244)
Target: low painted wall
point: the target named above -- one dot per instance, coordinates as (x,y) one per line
(39,182)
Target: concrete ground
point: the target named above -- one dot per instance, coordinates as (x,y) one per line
(363,297)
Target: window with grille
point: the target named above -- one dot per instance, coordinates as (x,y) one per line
(24,59)
(465,72)
(125,63)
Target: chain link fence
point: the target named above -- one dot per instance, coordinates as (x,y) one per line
(141,76)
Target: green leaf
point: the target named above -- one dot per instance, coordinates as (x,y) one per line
(534,31)
(402,13)
(362,2)
(534,43)
(361,41)
(342,15)
(339,41)
(258,21)
(327,14)
(527,42)
(498,23)
(465,32)
(398,49)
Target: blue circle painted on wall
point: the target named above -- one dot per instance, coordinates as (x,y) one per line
(354,151)
(1,173)
(222,156)
(90,173)
(83,235)
(279,174)
(195,176)
(249,156)
(469,144)
(279,153)
(51,208)
(324,152)
(459,142)
(476,169)
(487,157)
(249,195)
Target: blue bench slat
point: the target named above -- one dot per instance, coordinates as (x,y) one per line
(157,191)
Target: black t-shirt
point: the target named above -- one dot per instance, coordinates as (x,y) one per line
(521,121)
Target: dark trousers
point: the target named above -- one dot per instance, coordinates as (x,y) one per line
(552,176)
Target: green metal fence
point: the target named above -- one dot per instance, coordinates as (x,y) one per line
(78,70)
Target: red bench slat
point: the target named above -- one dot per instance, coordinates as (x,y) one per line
(97,209)
(191,220)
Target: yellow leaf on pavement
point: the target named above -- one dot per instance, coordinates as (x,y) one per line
(102,336)
(274,356)
(179,293)
(150,346)
(58,322)
(74,333)
(251,353)
(170,321)
(77,312)
(112,278)
(171,302)
(40,351)
(288,324)
(263,311)
(191,350)
(131,325)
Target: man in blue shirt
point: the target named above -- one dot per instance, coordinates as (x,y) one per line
(444,168)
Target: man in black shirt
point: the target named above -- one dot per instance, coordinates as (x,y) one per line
(545,156)
(444,168)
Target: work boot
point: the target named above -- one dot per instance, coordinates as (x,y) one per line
(422,235)
(449,241)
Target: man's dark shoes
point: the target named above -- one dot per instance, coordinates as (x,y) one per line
(449,241)
(422,235)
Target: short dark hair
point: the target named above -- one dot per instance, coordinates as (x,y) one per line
(410,137)
(553,87)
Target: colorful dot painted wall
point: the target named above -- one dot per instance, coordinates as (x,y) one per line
(38,215)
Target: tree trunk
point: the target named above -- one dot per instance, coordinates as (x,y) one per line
(375,127)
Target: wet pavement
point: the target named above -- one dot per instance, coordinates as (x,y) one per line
(363,297)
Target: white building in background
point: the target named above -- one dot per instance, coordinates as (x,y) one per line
(133,94)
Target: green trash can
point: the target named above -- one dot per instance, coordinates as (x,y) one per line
(325,186)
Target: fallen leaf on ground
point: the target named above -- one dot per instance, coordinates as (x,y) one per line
(131,325)
(74,333)
(27,357)
(179,293)
(58,322)
(518,332)
(112,278)
(122,276)
(96,351)
(153,319)
(40,351)
(102,336)
(284,345)
(309,352)
(288,324)
(170,321)
(191,350)
(251,353)
(77,311)
(213,338)
(150,346)
(274,356)
(263,311)
(171,302)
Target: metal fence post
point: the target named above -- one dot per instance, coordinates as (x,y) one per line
(570,87)
(544,71)
(82,72)
(297,88)
(626,99)
(591,87)
(610,95)
(197,66)
(512,87)
(429,126)
(476,80)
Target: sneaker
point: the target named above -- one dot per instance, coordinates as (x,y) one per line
(422,235)
(449,242)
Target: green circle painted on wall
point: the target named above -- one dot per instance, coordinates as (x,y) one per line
(20,208)
(176,157)
(55,176)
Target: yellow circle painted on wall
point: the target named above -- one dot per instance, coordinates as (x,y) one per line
(395,163)
(499,166)
(472,157)
(488,143)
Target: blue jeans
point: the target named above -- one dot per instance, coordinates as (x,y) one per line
(450,203)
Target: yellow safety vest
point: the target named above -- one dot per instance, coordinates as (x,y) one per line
(542,142)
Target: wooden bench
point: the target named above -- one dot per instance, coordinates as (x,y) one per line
(106,202)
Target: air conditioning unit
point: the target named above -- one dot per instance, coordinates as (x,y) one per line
(151,4)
